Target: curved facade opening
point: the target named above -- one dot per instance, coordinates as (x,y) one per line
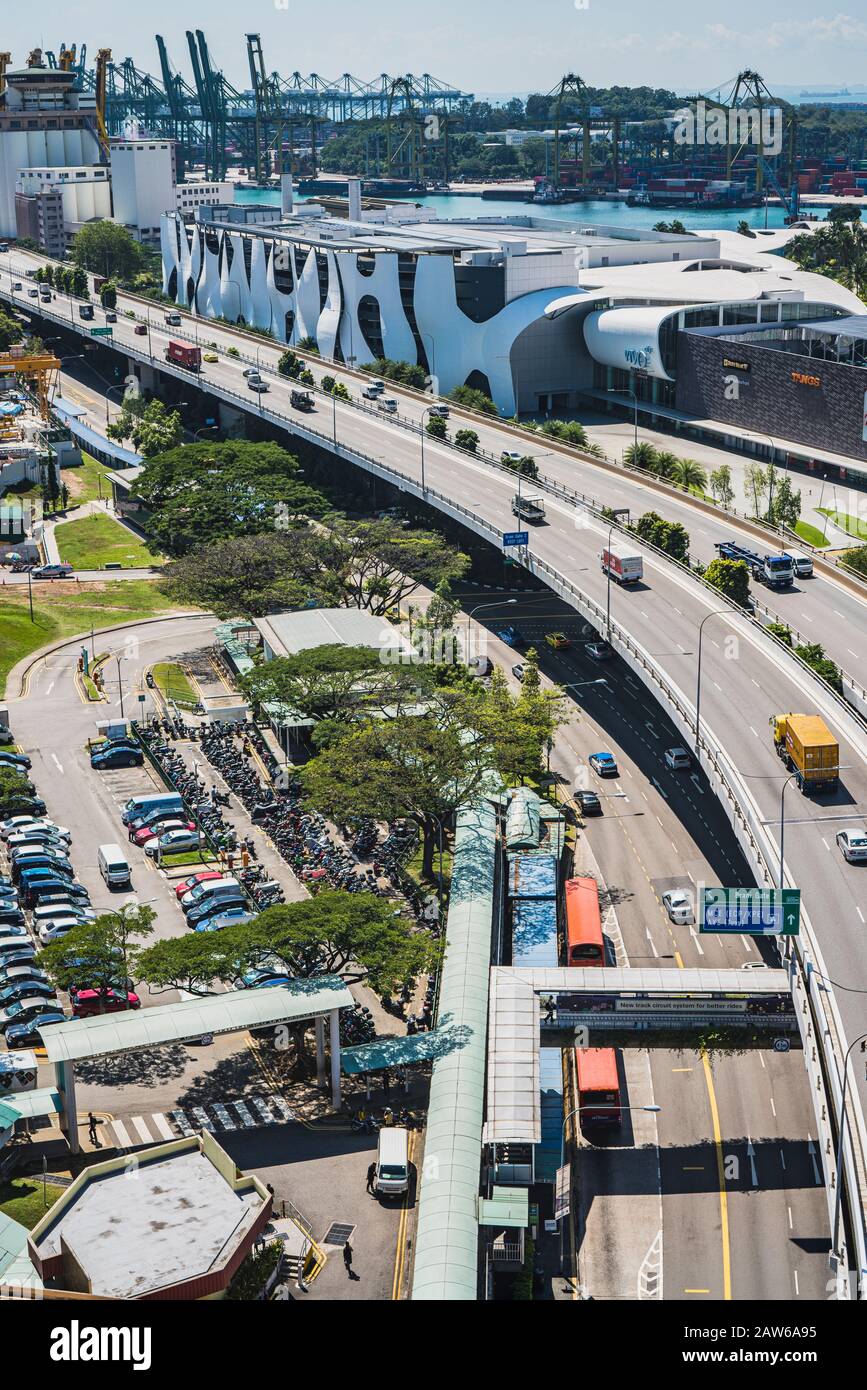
(289,323)
(370,323)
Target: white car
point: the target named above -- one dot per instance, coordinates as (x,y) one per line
(678,905)
(510,456)
(173,842)
(54,930)
(853,844)
(677,759)
(388,404)
(16,824)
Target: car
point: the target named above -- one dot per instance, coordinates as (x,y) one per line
(24,1009)
(23,844)
(442,411)
(510,456)
(140,330)
(229,918)
(26,989)
(852,844)
(6,734)
(59,927)
(37,868)
(188,884)
(111,316)
(518,670)
(67,897)
(558,640)
(205,911)
(18,285)
(62,571)
(588,802)
(86,1002)
(41,890)
(117,757)
(605,764)
(28,803)
(16,760)
(388,404)
(141,837)
(256,384)
(678,905)
(45,296)
(11,919)
(271,980)
(174,842)
(598,651)
(259,975)
(210,357)
(803,566)
(16,824)
(251,372)
(205,889)
(28,1034)
(677,759)
(33,293)
(508,634)
(154,821)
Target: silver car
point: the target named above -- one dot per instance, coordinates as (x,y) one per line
(852,843)
(678,905)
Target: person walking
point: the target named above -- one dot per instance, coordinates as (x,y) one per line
(371,1175)
(245,856)
(91,1129)
(386,1083)
(347,1261)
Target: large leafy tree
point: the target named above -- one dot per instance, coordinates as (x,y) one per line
(150,425)
(106,248)
(239,576)
(668,536)
(100,954)
(375,566)
(838,249)
(732,578)
(218,489)
(333,682)
(10,331)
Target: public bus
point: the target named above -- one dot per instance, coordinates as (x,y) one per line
(584,941)
(598,1086)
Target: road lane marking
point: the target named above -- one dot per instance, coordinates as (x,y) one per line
(139,1125)
(57,762)
(121,1134)
(161,1124)
(723,1194)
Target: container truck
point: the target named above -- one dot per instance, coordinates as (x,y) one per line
(184,356)
(626,566)
(777,571)
(807,748)
(529,506)
(301,400)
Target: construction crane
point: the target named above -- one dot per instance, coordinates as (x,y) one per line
(750,96)
(103,58)
(35,367)
(411,140)
(573,92)
(269,124)
(5,60)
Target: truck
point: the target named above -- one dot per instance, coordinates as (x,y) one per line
(622,564)
(302,400)
(529,506)
(173,318)
(806,746)
(183,355)
(85,311)
(777,571)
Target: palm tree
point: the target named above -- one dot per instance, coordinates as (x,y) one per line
(688,474)
(640,455)
(665,463)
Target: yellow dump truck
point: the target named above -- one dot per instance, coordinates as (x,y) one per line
(809,749)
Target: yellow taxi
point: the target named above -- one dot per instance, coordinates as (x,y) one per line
(210,357)
(558,640)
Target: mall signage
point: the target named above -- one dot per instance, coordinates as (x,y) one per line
(736,366)
(805,379)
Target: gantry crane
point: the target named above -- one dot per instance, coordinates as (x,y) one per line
(103,58)
(36,367)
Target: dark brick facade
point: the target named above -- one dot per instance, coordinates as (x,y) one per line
(827,415)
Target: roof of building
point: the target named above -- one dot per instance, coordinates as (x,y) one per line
(180,1217)
(288,633)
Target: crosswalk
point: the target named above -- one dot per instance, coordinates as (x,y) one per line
(253,1112)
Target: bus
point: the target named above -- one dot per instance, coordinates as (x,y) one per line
(584,941)
(598,1086)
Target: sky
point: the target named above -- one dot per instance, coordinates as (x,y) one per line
(482,46)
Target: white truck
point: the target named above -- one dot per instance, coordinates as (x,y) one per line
(529,506)
(624,565)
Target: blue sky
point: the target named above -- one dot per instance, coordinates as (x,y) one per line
(480,45)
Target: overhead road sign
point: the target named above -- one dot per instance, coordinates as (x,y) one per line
(102,332)
(516,538)
(750,911)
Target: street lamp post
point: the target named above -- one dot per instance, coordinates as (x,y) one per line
(108,392)
(838,1198)
(608,591)
(791,778)
(119,683)
(715,614)
(503,603)
(425,411)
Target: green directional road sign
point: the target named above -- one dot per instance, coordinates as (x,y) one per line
(750,911)
(102,332)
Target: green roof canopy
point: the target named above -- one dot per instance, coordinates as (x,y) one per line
(506,1206)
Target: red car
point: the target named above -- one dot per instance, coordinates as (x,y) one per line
(190,883)
(148,832)
(88,1002)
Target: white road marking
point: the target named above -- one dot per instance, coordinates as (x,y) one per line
(141,1128)
(797,1289)
(203,1118)
(746,943)
(698,945)
(51,684)
(773,1108)
(57,762)
(825,843)
(121,1135)
(258,1104)
(162,1126)
(223,1116)
(860,913)
(246,1118)
(789,1214)
(653,950)
(783,1162)
(753,730)
(283,1107)
(751,1155)
(182,1123)
(659,788)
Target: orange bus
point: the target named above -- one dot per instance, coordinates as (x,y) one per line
(584,941)
(598,1086)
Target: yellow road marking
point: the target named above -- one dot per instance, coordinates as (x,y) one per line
(400,1254)
(696,1290)
(723,1194)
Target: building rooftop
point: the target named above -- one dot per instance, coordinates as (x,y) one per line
(288,633)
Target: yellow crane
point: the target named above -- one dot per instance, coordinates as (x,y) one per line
(36,367)
(103,58)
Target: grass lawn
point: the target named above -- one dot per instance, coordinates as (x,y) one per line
(87,483)
(64,608)
(203,860)
(811,534)
(412,868)
(94,541)
(22,1199)
(853,524)
(173,682)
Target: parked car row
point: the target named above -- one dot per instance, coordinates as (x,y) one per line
(159,825)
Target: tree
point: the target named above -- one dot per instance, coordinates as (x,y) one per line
(150,425)
(755,485)
(467,439)
(340,392)
(328,383)
(744,229)
(521,729)
(473,399)
(15,789)
(721,485)
(10,331)
(668,536)
(108,295)
(856,559)
(238,576)
(640,455)
(221,488)
(101,954)
(406,373)
(371,565)
(197,962)
(290,364)
(814,655)
(309,344)
(732,578)
(688,474)
(436,427)
(526,466)
(106,248)
(332,682)
(785,509)
(664,463)
(421,766)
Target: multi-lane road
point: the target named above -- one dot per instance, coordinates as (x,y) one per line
(746,678)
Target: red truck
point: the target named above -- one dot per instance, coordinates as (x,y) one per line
(184,356)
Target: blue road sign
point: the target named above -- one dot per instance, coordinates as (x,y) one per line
(751,911)
(516,538)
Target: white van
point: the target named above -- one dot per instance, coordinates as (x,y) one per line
(113,865)
(392,1161)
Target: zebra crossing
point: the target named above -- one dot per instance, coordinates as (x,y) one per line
(253,1112)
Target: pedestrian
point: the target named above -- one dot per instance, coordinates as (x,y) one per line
(230,861)
(91,1129)
(347,1260)
(388,1117)
(386,1084)
(213,795)
(245,857)
(222,858)
(549,1009)
(371,1174)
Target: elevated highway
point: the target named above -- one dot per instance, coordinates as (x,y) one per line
(746,676)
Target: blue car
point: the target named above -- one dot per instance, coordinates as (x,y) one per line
(510,635)
(604,764)
(28,989)
(204,911)
(272,980)
(20,761)
(28,1034)
(12,921)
